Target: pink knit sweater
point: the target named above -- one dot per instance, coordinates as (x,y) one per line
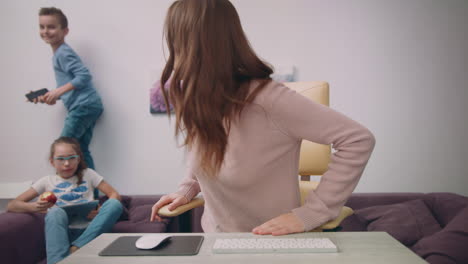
(259,177)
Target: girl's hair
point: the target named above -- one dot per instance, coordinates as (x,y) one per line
(53,11)
(76,147)
(212,64)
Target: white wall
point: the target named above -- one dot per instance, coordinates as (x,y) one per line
(400,67)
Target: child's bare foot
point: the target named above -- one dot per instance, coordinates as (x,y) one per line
(73,249)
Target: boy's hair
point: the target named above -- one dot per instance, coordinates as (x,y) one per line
(53,11)
(76,147)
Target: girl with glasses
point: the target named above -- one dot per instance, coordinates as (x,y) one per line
(73,183)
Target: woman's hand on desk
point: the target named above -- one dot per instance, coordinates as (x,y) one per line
(174,200)
(281,225)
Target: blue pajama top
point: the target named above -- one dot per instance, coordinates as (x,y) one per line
(69,68)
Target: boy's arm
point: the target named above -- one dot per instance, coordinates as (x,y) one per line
(21,203)
(51,97)
(70,63)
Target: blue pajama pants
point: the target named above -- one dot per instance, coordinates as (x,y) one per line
(59,238)
(79,124)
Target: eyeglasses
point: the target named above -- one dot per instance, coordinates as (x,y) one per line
(70,159)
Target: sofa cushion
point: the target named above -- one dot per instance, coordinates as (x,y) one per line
(363,200)
(447,245)
(407,222)
(139,222)
(445,206)
(21,233)
(140,213)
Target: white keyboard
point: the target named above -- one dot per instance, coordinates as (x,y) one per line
(273,245)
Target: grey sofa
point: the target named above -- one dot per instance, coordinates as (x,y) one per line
(433,225)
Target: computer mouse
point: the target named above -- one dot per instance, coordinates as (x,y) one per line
(151,241)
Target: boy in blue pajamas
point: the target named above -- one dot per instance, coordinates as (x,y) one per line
(74,86)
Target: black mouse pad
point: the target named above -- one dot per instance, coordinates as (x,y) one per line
(175,246)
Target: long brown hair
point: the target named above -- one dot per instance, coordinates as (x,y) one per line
(76,147)
(210,64)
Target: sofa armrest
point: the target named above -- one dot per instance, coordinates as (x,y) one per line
(20,233)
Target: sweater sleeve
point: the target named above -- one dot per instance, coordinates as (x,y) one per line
(71,64)
(302,118)
(189,186)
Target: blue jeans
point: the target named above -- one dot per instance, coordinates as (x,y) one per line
(59,238)
(79,124)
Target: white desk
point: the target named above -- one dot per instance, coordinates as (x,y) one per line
(353,247)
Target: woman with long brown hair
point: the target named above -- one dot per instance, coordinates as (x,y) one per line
(243,131)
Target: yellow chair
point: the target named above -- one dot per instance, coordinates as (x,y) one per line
(314,159)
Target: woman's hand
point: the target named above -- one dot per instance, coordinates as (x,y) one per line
(93,213)
(282,225)
(174,200)
(40,206)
